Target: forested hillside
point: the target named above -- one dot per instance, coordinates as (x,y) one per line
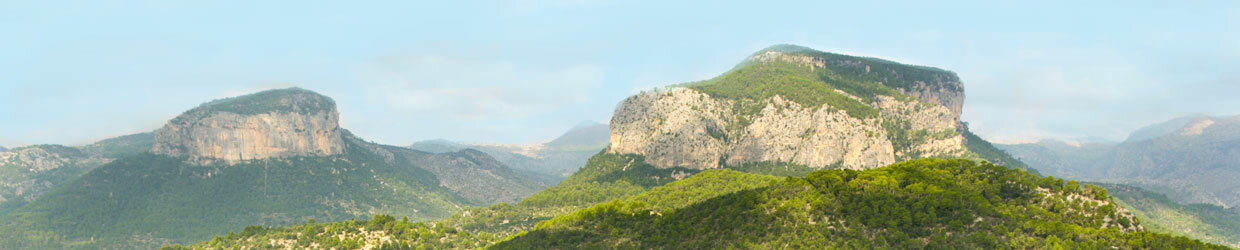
(915,204)
(1210,223)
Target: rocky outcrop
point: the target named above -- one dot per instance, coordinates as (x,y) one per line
(289,122)
(45,157)
(681,127)
(673,127)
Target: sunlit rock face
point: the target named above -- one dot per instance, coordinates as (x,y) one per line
(681,127)
(685,126)
(269,124)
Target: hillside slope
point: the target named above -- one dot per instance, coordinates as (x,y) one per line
(27,173)
(916,204)
(1209,223)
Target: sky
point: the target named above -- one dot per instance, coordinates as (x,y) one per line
(524,71)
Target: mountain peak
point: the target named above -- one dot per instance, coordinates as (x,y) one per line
(1166,128)
(584,136)
(292,99)
(267,124)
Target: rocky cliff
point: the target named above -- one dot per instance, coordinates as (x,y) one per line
(790,104)
(269,124)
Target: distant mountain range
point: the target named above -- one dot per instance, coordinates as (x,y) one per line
(556,159)
(269,158)
(1194,159)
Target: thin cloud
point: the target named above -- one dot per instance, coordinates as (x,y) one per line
(477,89)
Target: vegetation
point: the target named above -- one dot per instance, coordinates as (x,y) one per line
(867,69)
(122,146)
(150,200)
(21,183)
(927,203)
(1158,213)
(809,87)
(289,100)
(903,137)
(380,232)
(860,79)
(776,168)
(455,232)
(605,177)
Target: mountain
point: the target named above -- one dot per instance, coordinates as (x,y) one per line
(1063,159)
(586,136)
(793,104)
(1163,128)
(1158,213)
(269,158)
(1194,159)
(555,160)
(785,111)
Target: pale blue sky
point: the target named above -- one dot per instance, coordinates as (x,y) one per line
(524,71)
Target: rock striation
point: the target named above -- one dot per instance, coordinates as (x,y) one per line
(685,127)
(270,124)
(681,127)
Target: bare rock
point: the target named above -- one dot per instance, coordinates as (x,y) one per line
(681,127)
(269,124)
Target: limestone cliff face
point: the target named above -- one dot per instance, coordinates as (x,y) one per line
(683,127)
(290,122)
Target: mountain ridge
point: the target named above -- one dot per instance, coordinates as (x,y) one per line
(556,159)
(1193,162)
